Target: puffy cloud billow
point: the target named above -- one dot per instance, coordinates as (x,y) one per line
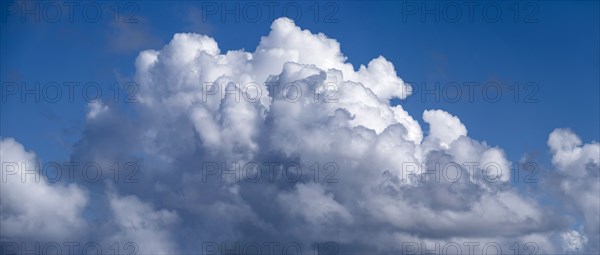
(215,135)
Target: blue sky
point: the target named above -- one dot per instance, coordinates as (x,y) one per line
(558,52)
(544,57)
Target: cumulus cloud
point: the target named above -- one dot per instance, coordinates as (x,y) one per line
(368,139)
(96,107)
(139,223)
(444,128)
(371,178)
(32,208)
(579,168)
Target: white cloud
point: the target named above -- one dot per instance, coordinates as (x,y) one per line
(359,131)
(573,241)
(32,208)
(95,108)
(579,166)
(139,223)
(185,122)
(569,155)
(443,127)
(314,206)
